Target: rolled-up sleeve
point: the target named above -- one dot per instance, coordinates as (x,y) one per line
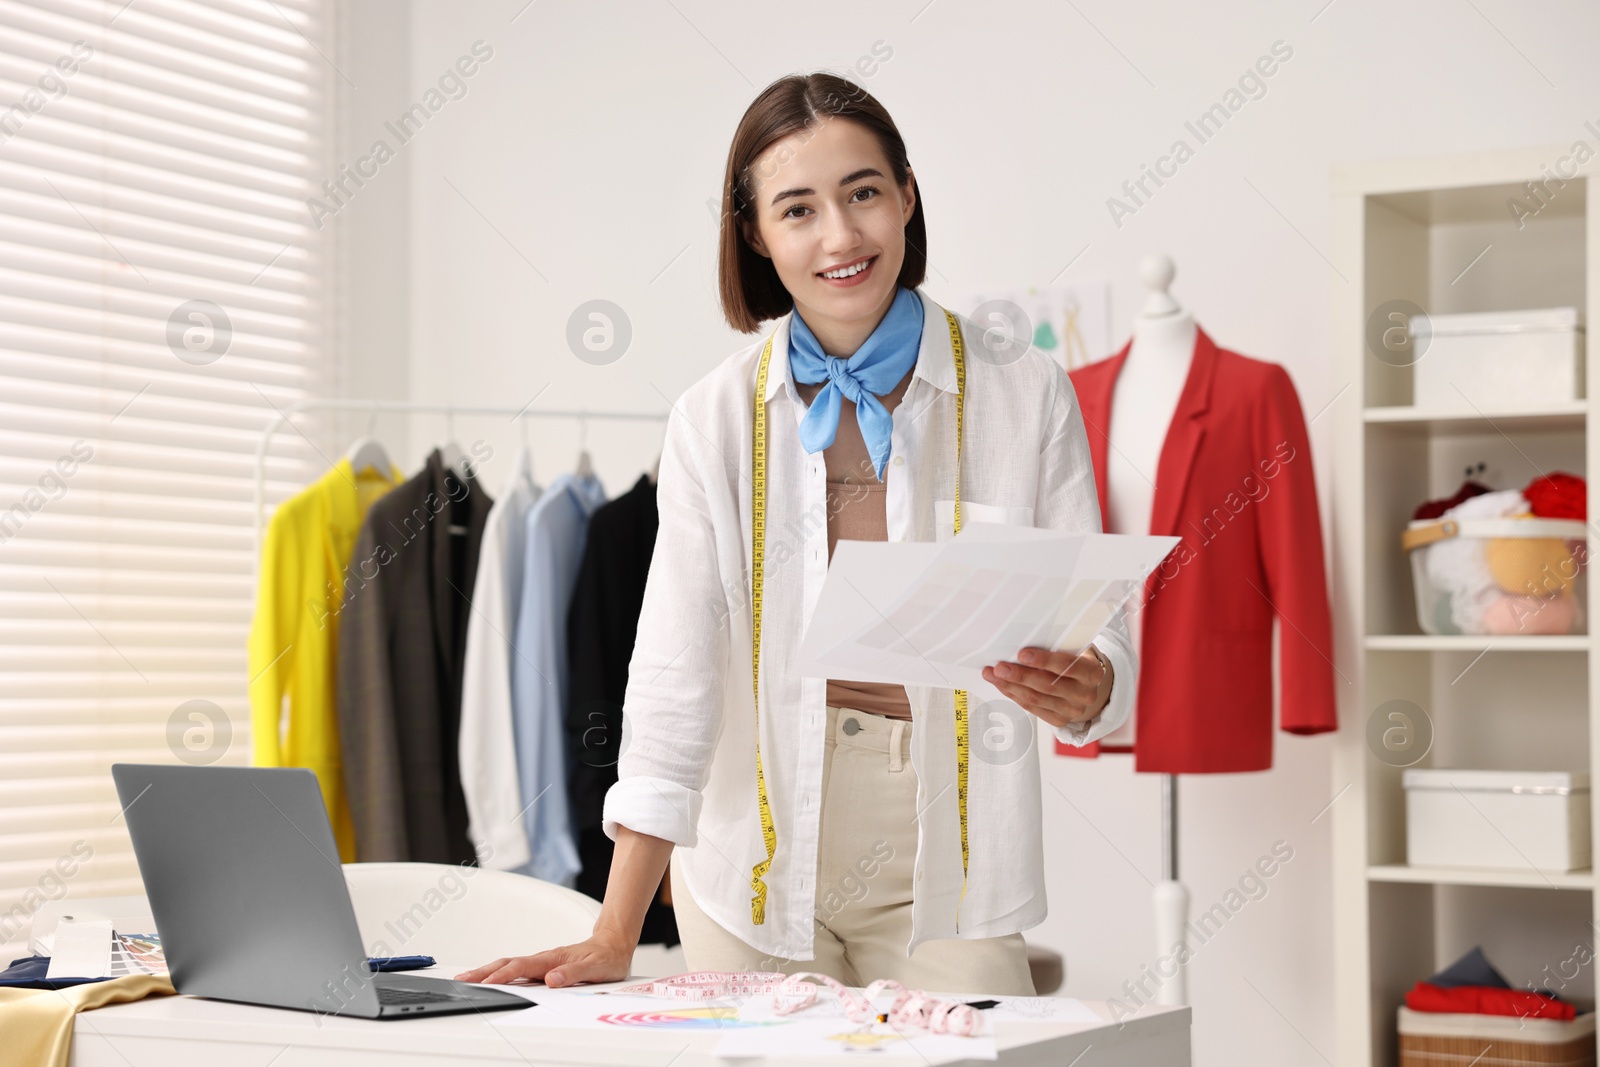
(1067,501)
(672,708)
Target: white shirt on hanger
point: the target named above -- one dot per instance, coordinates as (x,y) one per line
(487,747)
(687,765)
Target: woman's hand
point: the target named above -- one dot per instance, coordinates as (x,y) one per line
(1059,687)
(637,866)
(601,958)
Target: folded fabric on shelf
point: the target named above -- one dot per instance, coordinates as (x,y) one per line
(1472,969)
(1487,1000)
(1472,985)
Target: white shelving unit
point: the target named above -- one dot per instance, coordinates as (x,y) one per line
(1440,233)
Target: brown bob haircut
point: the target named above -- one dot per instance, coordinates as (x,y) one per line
(751,290)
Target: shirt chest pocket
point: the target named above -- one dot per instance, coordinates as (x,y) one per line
(944,516)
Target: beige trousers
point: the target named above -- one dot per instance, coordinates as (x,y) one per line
(867,855)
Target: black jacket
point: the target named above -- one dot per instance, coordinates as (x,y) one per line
(602,620)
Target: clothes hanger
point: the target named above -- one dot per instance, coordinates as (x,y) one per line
(585,468)
(527,446)
(455,462)
(450,452)
(367,452)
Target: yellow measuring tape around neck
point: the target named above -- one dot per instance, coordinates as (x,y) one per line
(758,535)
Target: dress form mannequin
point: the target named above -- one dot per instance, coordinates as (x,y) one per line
(1145,398)
(1142,406)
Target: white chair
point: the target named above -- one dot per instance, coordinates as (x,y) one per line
(1048,968)
(465,915)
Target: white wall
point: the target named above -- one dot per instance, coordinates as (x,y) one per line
(579,165)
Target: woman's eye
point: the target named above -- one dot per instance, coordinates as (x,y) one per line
(790,214)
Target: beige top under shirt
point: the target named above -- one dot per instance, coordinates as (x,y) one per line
(857,511)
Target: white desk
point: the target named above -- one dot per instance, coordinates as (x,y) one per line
(181,1031)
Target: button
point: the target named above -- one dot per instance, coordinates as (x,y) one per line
(851,726)
(898,460)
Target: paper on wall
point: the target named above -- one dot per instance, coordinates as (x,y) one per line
(1070,322)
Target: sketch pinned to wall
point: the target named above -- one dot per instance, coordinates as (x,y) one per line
(1070,322)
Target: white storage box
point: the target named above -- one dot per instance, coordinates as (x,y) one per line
(1508,820)
(1501,360)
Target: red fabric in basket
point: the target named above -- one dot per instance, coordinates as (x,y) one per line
(1487,1000)
(1558,496)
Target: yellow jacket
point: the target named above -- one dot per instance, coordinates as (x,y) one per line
(294,636)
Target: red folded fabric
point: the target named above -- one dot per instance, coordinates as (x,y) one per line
(1487,1000)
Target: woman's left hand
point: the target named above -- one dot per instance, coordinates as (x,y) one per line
(1059,687)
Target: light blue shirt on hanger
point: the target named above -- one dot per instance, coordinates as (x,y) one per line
(556,528)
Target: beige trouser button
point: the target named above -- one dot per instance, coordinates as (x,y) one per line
(851,726)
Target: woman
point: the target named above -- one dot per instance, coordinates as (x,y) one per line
(859,839)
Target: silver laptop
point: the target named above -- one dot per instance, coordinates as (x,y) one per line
(250,901)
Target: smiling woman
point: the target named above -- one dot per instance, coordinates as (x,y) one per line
(863,412)
(867,220)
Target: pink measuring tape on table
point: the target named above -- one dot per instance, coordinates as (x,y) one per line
(710,985)
(911,1007)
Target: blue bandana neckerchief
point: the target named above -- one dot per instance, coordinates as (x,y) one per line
(875,368)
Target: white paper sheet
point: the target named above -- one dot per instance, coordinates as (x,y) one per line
(937,613)
(750,1027)
(91,948)
(812,1038)
(1032,1009)
(81,950)
(585,1008)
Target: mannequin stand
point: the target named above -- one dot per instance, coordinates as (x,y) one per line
(1171,900)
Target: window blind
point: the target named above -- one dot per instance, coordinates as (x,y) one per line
(162,295)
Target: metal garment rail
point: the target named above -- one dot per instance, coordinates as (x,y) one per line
(404,406)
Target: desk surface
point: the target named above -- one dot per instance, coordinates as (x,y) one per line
(182,1030)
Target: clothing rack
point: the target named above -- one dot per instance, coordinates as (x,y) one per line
(300,407)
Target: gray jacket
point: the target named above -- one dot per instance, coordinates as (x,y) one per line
(402,636)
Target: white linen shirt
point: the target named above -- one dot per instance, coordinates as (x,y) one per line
(687,765)
(486,746)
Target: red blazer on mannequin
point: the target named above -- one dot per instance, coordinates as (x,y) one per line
(1235,483)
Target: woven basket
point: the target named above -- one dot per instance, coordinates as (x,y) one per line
(1436,1039)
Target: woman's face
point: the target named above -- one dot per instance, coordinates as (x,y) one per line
(824,199)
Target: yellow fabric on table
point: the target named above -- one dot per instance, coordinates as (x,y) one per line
(294,635)
(37,1023)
